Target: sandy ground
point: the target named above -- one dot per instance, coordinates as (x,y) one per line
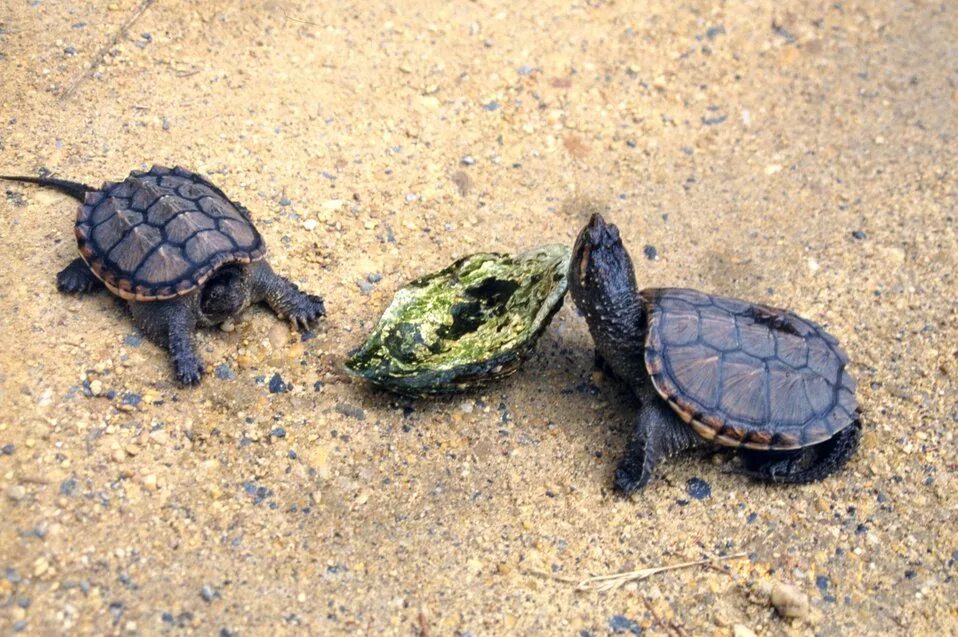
(797,154)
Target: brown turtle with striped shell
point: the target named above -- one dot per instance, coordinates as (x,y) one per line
(710,369)
(180,251)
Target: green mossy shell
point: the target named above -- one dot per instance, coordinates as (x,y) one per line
(473,322)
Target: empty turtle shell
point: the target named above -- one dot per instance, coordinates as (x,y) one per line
(468,324)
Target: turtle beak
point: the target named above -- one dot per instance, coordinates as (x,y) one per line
(599,260)
(600,232)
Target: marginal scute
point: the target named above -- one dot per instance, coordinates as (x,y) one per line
(754,376)
(146,240)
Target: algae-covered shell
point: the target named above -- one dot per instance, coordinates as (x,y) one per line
(473,322)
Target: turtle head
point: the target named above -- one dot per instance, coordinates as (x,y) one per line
(601,277)
(225,294)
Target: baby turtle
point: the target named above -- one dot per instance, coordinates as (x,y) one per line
(180,252)
(710,369)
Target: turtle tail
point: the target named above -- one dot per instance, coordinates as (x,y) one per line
(73,188)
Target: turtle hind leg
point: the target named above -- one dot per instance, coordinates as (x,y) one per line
(658,433)
(77,278)
(286,300)
(804,465)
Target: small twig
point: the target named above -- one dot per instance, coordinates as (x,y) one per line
(607,583)
(288,17)
(101,54)
(671,626)
(547,575)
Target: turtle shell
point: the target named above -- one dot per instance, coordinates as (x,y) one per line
(162,233)
(746,375)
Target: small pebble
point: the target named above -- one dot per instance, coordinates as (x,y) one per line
(468,160)
(714,121)
(650,252)
(789,601)
(278,432)
(132,399)
(741,630)
(68,487)
(7,450)
(525,70)
(698,488)
(622,624)
(207,593)
(276,384)
(223,372)
(133,340)
(715,31)
(16,492)
(859,235)
(350,410)
(375,277)
(491,106)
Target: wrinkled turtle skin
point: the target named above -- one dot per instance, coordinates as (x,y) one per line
(714,370)
(180,252)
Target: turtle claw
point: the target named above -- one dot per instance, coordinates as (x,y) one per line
(305,310)
(189,371)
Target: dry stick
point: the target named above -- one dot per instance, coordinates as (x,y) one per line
(671,627)
(545,575)
(606,583)
(289,17)
(101,54)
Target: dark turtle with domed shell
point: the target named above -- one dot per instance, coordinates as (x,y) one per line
(180,251)
(710,369)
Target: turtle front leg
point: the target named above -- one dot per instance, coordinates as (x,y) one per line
(285,299)
(170,324)
(658,433)
(77,278)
